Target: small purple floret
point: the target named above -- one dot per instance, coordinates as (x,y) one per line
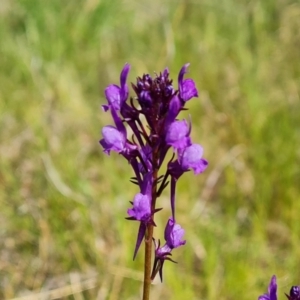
(173,237)
(191,158)
(141,207)
(113,140)
(178,135)
(174,234)
(272,291)
(187,87)
(294,293)
(141,210)
(116,95)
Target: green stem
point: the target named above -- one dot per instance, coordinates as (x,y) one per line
(147,266)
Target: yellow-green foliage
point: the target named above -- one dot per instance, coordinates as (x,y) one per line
(63,202)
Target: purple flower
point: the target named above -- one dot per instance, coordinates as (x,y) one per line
(141,210)
(177,134)
(187,87)
(173,237)
(272,291)
(187,90)
(116,95)
(113,139)
(174,234)
(294,293)
(188,158)
(191,158)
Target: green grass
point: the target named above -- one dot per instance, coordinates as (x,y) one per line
(63,202)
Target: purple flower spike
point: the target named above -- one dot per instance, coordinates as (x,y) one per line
(116,95)
(178,135)
(151,117)
(191,158)
(272,291)
(187,87)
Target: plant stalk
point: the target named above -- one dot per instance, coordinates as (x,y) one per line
(149,233)
(147,265)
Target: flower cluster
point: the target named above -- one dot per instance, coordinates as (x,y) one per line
(272,292)
(152,117)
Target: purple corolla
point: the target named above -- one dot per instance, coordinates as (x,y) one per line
(117,95)
(173,238)
(272,291)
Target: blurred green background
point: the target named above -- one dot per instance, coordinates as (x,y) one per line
(63,202)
